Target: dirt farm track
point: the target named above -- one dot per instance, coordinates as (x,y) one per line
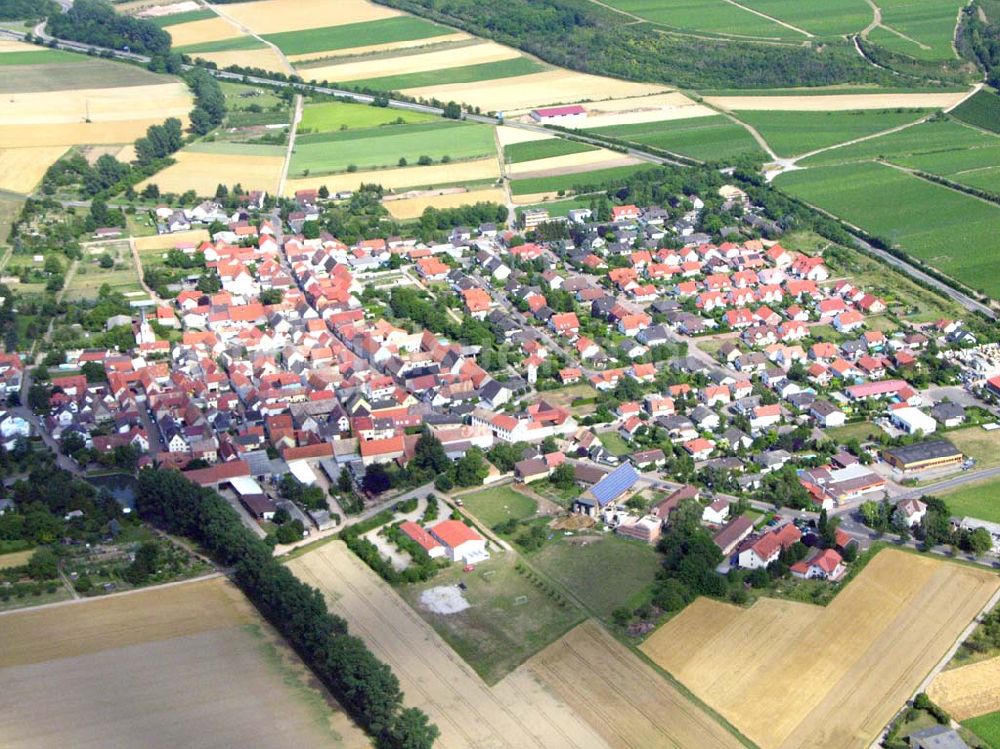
(554,700)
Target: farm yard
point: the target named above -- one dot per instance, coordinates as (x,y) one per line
(519,712)
(807,665)
(184,662)
(936,224)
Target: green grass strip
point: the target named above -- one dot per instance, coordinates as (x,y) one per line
(486,71)
(401,29)
(224,45)
(178,18)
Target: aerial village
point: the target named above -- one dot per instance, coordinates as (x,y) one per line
(632,359)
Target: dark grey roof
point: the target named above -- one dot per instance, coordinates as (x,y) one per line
(921,451)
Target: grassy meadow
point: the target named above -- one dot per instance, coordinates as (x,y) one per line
(714,138)
(385,31)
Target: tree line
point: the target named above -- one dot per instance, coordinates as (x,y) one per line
(365,686)
(17,10)
(96,22)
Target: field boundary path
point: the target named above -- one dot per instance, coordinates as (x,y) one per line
(772,19)
(139,272)
(296,117)
(289,68)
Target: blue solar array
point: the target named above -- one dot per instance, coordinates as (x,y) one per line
(615,484)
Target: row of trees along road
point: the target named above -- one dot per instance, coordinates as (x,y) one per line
(365,686)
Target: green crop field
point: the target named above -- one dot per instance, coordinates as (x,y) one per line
(606,572)
(38,57)
(980,500)
(81,72)
(947,229)
(591,179)
(497,504)
(401,29)
(714,138)
(713,16)
(543,149)
(981,110)
(384,146)
(224,45)
(333,116)
(927,137)
(986,727)
(186,17)
(235,149)
(975,167)
(486,71)
(791,133)
(833,18)
(930,23)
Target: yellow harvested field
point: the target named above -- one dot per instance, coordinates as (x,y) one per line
(266,59)
(126,154)
(23,168)
(407,208)
(336,54)
(9,45)
(274,16)
(162,668)
(622,698)
(570,163)
(525,92)
(170,241)
(534,197)
(518,713)
(395,179)
(835,102)
(474,54)
(200,32)
(70,134)
(968,691)
(97,624)
(204,172)
(508,136)
(15,559)
(793,675)
(100,104)
(637,110)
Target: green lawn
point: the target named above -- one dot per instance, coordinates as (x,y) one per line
(714,138)
(486,71)
(37,57)
(543,149)
(332,116)
(713,16)
(497,504)
(400,29)
(614,443)
(604,572)
(980,500)
(790,133)
(384,146)
(981,110)
(224,45)
(835,17)
(509,618)
(583,180)
(186,17)
(859,431)
(986,727)
(947,229)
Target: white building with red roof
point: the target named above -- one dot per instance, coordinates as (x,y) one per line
(430,544)
(462,543)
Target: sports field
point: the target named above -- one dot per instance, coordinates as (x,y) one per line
(809,668)
(204,172)
(968,691)
(622,698)
(334,116)
(174,664)
(791,133)
(941,226)
(414,207)
(410,177)
(385,146)
(714,138)
(520,712)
